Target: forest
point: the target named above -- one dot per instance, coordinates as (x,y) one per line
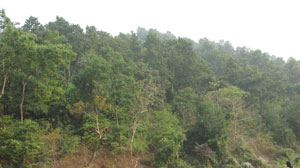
(74,97)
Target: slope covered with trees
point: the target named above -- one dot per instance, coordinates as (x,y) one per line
(73,97)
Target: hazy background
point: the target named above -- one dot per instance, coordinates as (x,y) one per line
(270,25)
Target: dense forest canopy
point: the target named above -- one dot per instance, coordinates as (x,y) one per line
(73,97)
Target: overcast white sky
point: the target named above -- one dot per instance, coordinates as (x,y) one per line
(270,25)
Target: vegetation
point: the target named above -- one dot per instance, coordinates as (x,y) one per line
(83,98)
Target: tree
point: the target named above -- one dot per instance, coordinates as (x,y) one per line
(71,34)
(210,128)
(96,126)
(143,98)
(232,99)
(184,106)
(9,48)
(39,62)
(30,62)
(34,26)
(94,76)
(233,72)
(292,114)
(153,54)
(185,67)
(99,105)
(165,137)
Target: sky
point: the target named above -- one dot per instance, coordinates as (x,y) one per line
(272,26)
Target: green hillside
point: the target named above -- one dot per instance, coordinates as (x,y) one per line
(74,97)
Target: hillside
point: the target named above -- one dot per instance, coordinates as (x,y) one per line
(73,97)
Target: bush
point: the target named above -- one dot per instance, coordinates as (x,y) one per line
(210,129)
(61,142)
(20,143)
(68,142)
(165,153)
(165,136)
(244,154)
(282,155)
(285,154)
(179,164)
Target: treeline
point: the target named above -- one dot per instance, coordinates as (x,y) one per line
(147,94)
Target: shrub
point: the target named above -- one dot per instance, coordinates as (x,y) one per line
(165,136)
(285,154)
(244,154)
(20,143)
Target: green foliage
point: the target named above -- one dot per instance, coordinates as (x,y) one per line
(165,153)
(285,154)
(165,136)
(292,114)
(117,139)
(244,154)
(21,145)
(282,132)
(231,100)
(88,79)
(166,96)
(88,128)
(184,104)
(210,128)
(68,143)
(59,142)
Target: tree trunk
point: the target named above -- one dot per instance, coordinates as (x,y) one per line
(261,105)
(100,137)
(235,122)
(4,76)
(117,121)
(23,97)
(94,154)
(69,73)
(3,84)
(132,137)
(3,90)
(116,114)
